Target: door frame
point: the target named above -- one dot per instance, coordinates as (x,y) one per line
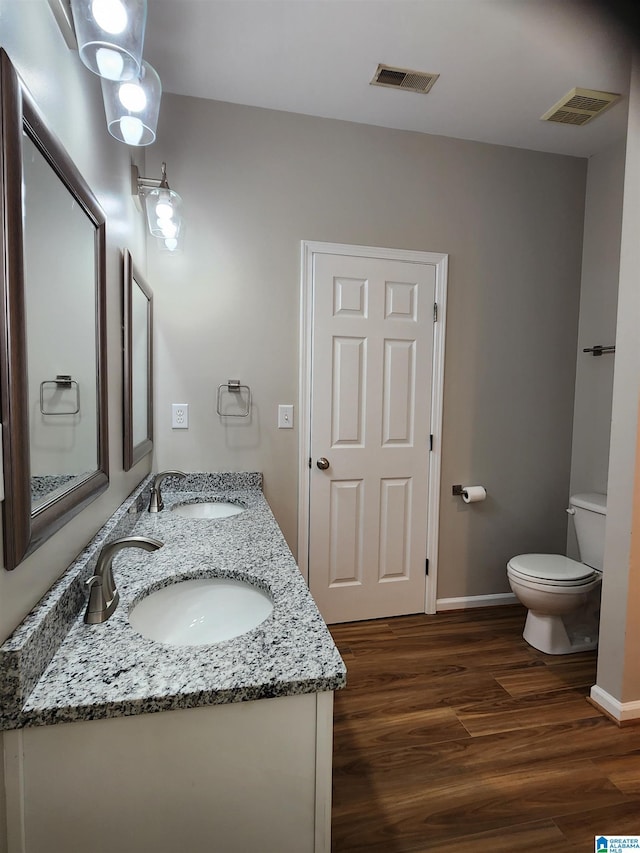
(440,262)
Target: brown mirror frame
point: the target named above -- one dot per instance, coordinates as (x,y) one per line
(133,278)
(24,529)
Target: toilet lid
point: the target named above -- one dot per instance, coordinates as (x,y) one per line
(552,568)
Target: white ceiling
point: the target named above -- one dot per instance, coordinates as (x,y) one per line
(502,63)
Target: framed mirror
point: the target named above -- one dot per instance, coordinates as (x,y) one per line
(138,364)
(53,387)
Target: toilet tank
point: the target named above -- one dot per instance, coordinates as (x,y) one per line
(589,512)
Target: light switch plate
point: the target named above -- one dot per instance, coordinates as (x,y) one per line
(285,417)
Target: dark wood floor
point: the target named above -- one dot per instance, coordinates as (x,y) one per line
(454,734)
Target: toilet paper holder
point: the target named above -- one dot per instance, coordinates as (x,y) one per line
(458,490)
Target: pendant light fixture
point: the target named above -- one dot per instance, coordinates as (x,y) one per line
(163,208)
(110,35)
(131,107)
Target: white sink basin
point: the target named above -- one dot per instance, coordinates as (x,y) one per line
(208,509)
(200,611)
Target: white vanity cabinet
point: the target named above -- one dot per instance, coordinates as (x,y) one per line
(115,743)
(246,777)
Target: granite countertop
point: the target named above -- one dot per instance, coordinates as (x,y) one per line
(110,670)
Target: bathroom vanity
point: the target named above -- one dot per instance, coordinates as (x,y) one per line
(117,742)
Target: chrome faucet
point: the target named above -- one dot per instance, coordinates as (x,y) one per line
(103,595)
(155,504)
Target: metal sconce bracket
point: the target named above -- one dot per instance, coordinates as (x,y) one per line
(62,13)
(140,184)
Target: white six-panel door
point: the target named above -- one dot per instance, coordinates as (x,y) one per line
(371,369)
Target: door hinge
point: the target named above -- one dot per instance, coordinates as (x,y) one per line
(435,312)
(309,462)
(431,442)
(426,566)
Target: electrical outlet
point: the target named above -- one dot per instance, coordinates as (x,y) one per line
(179,416)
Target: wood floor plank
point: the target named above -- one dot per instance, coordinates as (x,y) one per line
(423,760)
(563,660)
(415,694)
(509,619)
(479,803)
(581,828)
(461,633)
(398,731)
(376,629)
(539,835)
(453,733)
(385,668)
(544,679)
(623,770)
(494,615)
(498,653)
(502,714)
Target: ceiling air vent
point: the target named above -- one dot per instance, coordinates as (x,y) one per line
(580,106)
(403,78)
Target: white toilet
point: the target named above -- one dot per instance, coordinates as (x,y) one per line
(561,594)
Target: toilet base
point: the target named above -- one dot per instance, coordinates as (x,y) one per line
(549,634)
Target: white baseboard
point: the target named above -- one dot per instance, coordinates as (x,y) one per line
(467,601)
(621,711)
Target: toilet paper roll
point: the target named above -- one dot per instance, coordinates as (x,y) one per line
(473,494)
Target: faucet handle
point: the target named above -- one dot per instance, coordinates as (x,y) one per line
(91,582)
(97,603)
(160,477)
(155,503)
(103,595)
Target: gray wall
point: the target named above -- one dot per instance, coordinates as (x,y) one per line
(257,182)
(71,101)
(598,303)
(70,98)
(618,661)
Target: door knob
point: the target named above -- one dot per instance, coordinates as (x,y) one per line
(322,463)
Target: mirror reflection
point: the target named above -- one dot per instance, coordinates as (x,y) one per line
(60,302)
(138,358)
(53,359)
(139,350)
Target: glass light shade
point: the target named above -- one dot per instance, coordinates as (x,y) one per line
(164,213)
(169,244)
(110,35)
(132,107)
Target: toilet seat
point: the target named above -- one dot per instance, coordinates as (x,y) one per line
(552,570)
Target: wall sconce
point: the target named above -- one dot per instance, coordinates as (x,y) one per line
(110,35)
(163,207)
(131,107)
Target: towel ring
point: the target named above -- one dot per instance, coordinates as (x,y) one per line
(61,381)
(233,386)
